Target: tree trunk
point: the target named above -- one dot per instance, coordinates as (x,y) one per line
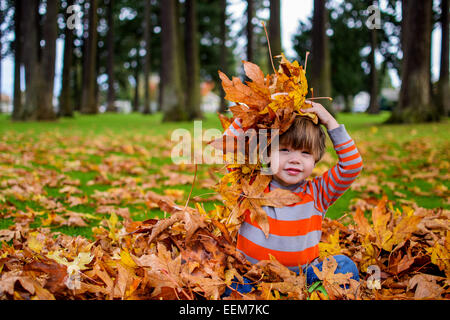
(415,104)
(193,97)
(348,104)
(2,18)
(136,89)
(320,56)
(403,28)
(77,88)
(443,98)
(275,29)
(111,97)
(17,107)
(82,68)
(30,58)
(65,101)
(181,46)
(173,97)
(223,51)
(249,28)
(47,77)
(160,87)
(374,107)
(147,60)
(88,101)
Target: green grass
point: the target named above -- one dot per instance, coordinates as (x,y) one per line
(92,140)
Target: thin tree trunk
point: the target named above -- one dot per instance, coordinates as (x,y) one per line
(17,107)
(415,104)
(2,18)
(77,67)
(374,107)
(173,97)
(111,97)
(46,78)
(30,58)
(88,104)
(193,98)
(136,88)
(160,87)
(83,66)
(65,101)
(275,29)
(443,99)
(223,51)
(348,104)
(250,33)
(147,58)
(320,55)
(180,46)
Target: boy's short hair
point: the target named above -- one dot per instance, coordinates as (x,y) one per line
(304,134)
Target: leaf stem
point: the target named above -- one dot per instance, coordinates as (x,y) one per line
(268,45)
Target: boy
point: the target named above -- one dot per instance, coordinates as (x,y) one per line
(295,230)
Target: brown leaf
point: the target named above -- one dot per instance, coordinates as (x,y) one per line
(57,274)
(254,73)
(279,198)
(236,91)
(426,286)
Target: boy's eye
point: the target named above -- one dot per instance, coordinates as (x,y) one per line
(306,152)
(284,149)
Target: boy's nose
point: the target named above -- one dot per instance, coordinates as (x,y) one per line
(295,160)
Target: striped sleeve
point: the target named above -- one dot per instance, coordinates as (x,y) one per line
(332,184)
(234,130)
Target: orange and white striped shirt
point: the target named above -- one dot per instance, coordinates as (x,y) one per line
(295,230)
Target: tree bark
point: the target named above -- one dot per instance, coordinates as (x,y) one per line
(374,106)
(2,18)
(17,103)
(88,100)
(173,97)
(111,97)
(320,55)
(77,88)
(443,98)
(136,88)
(65,101)
(275,29)
(47,66)
(348,104)
(223,52)
(415,103)
(30,58)
(147,60)
(193,97)
(250,33)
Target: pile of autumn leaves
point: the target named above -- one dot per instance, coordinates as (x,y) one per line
(401,254)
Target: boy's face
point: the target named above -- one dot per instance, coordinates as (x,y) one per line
(290,166)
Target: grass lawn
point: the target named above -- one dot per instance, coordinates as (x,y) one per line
(82,168)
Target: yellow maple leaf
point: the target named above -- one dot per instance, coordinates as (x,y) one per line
(112,222)
(126,259)
(440,255)
(34,243)
(331,247)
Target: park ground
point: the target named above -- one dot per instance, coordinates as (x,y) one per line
(70,174)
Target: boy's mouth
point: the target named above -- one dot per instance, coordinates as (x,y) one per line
(293,171)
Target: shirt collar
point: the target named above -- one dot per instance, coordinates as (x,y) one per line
(292,187)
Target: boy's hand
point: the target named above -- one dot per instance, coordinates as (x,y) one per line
(324,116)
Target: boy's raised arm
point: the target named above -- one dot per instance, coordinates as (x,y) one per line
(333,183)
